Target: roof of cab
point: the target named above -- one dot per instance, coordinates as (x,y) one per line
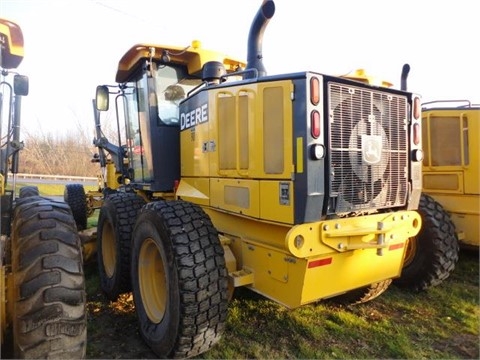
(193,56)
(11,35)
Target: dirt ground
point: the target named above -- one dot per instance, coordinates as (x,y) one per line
(113,327)
(113,332)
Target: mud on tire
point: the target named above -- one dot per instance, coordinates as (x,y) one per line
(49,313)
(432,255)
(179,279)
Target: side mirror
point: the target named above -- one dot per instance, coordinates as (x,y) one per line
(20,85)
(101,98)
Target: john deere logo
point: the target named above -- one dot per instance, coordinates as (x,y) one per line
(371,149)
(190,119)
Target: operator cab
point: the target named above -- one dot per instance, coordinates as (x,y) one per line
(153,82)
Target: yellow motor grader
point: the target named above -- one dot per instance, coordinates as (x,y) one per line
(42,285)
(299,186)
(451,173)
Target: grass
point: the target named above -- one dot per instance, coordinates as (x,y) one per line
(47,189)
(442,323)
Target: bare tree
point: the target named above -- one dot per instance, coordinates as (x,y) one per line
(58,155)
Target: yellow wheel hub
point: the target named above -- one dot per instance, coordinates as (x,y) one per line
(410,250)
(109,250)
(152,281)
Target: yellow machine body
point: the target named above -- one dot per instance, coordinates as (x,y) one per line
(451,173)
(306,263)
(236,166)
(308,178)
(310,183)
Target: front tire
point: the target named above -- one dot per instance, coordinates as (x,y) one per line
(179,279)
(432,255)
(114,231)
(49,310)
(74,196)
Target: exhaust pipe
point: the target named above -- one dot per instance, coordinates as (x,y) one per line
(404,76)
(255,38)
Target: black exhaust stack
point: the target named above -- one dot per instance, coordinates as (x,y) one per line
(255,37)
(404,76)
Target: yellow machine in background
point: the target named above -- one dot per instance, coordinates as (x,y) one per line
(299,186)
(42,285)
(451,172)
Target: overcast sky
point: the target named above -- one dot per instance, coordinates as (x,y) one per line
(71,46)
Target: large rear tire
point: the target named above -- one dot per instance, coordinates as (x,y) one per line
(179,279)
(49,309)
(74,196)
(432,255)
(114,235)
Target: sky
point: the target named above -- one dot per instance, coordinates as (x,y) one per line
(71,46)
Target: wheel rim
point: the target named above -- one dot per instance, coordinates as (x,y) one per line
(152,281)
(411,250)
(109,250)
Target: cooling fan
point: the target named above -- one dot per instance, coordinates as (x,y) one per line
(361,152)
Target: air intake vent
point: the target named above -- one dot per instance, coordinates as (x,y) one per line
(368,148)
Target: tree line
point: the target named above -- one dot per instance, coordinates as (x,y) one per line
(50,154)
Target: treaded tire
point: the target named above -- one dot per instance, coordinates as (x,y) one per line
(364,294)
(27,191)
(114,235)
(432,255)
(179,279)
(49,301)
(74,196)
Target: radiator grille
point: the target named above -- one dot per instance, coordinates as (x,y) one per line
(368,148)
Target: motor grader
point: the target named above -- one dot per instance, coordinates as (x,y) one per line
(451,173)
(42,284)
(298,186)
